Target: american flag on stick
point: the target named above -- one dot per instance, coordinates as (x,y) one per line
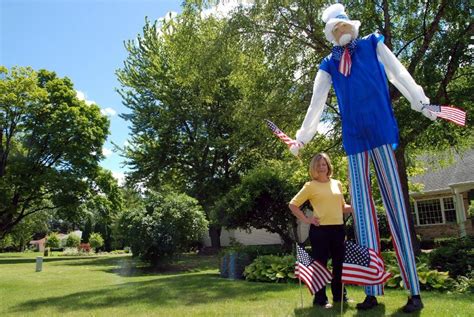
(448,112)
(286,139)
(310,272)
(362,266)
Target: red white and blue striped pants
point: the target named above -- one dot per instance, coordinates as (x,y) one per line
(365,216)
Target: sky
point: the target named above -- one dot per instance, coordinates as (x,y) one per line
(82,40)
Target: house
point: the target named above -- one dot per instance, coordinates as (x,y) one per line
(39,245)
(440,208)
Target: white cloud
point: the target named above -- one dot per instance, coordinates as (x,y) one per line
(82,96)
(225,7)
(108,112)
(106,152)
(120,177)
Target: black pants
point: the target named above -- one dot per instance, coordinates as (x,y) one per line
(328,242)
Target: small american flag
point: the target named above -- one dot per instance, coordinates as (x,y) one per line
(286,139)
(362,266)
(448,112)
(345,63)
(310,272)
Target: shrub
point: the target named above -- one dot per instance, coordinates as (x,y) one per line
(53,241)
(456,257)
(71,251)
(6,242)
(270,268)
(84,247)
(169,223)
(464,284)
(73,241)
(429,279)
(96,240)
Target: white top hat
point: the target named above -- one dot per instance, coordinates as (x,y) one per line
(332,16)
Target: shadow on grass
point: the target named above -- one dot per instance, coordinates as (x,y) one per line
(336,311)
(45,259)
(128,266)
(171,291)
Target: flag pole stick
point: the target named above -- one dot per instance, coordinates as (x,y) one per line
(342,298)
(301,294)
(301,290)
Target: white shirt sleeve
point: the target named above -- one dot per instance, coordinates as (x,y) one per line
(322,84)
(401,78)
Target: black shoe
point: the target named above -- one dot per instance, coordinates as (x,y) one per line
(368,303)
(414,304)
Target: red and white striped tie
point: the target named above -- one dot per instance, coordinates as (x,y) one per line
(345,63)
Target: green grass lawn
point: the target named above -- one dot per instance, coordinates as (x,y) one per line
(118,286)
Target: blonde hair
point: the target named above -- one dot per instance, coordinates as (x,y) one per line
(314,161)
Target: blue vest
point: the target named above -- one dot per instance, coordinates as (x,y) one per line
(363,97)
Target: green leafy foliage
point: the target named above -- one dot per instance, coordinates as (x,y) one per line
(167,224)
(53,240)
(430,279)
(456,257)
(271,268)
(96,241)
(50,146)
(72,241)
(261,201)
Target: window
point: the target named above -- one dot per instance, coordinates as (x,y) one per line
(435,211)
(449,209)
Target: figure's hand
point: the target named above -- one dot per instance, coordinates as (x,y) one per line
(430,115)
(418,102)
(419,105)
(295,148)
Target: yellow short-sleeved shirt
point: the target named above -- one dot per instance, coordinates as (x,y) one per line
(325,198)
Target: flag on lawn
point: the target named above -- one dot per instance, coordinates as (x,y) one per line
(448,112)
(286,139)
(311,272)
(362,266)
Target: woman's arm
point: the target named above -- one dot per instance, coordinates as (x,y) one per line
(346,208)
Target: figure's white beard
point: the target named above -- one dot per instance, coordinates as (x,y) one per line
(345,39)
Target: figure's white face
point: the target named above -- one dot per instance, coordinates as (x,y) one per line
(343,33)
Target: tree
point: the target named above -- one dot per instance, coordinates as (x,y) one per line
(197,104)
(50,146)
(261,201)
(102,208)
(96,241)
(23,233)
(431,39)
(168,223)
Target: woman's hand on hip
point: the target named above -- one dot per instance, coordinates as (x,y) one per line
(312,220)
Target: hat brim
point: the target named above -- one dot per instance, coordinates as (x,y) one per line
(332,22)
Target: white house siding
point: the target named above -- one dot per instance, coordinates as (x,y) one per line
(255,237)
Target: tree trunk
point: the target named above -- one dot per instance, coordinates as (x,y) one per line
(215,235)
(402,172)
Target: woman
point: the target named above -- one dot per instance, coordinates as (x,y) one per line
(326,231)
